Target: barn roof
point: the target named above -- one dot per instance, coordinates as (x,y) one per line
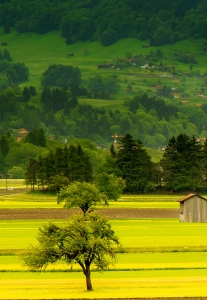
(190,196)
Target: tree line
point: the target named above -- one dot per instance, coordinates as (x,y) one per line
(183,167)
(71,163)
(108,21)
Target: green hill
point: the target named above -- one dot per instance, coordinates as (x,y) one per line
(101,118)
(39,51)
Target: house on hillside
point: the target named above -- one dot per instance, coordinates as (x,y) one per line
(193,208)
(105,66)
(22,132)
(185,102)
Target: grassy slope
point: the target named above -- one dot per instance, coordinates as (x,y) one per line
(39,51)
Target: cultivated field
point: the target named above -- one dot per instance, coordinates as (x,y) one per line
(160,257)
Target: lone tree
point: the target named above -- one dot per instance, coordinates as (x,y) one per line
(86,240)
(84,195)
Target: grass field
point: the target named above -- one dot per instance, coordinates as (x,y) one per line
(39,51)
(135,235)
(158,283)
(14,183)
(10,199)
(159,257)
(163,258)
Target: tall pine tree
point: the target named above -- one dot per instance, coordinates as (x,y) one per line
(135,165)
(182,164)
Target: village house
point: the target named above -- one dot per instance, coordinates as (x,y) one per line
(184,102)
(105,66)
(22,132)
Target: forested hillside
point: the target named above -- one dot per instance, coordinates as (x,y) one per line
(57,76)
(108,21)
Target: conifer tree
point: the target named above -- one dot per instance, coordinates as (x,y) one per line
(182,164)
(135,164)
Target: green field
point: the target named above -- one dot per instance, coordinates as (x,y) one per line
(36,199)
(158,283)
(159,257)
(39,51)
(135,235)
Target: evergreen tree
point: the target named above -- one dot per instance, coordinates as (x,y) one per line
(36,137)
(41,174)
(80,168)
(41,138)
(68,162)
(135,165)
(6,55)
(26,94)
(46,98)
(182,164)
(33,91)
(31,173)
(6,28)
(60,164)
(4,145)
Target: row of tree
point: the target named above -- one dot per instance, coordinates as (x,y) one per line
(182,164)
(108,21)
(183,167)
(69,163)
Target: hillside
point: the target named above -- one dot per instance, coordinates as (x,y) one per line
(99,119)
(108,21)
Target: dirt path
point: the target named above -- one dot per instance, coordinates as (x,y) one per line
(111,213)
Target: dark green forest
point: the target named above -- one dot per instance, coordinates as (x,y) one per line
(79,20)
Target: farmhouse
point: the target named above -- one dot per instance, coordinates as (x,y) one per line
(22,132)
(105,66)
(193,208)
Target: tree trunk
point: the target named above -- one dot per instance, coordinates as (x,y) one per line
(88,279)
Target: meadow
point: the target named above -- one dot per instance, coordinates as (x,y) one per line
(158,258)
(40,51)
(157,262)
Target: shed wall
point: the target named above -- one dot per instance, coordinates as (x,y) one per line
(194,210)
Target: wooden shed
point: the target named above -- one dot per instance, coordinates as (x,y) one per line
(193,208)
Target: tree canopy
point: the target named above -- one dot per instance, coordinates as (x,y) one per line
(183,164)
(83,195)
(62,76)
(108,21)
(110,185)
(84,240)
(135,165)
